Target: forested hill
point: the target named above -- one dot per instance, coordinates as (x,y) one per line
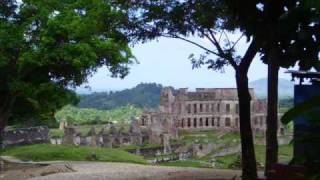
(143,95)
(147,95)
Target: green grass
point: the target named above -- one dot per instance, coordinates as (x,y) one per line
(285,155)
(224,162)
(47,152)
(143,146)
(186,163)
(198,136)
(209,136)
(231,138)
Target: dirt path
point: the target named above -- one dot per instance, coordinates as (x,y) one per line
(122,171)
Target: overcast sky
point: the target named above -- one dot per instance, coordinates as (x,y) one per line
(166,62)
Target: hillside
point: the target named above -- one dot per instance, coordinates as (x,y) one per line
(143,95)
(260,87)
(147,95)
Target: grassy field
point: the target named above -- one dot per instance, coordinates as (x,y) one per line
(228,161)
(46,152)
(209,136)
(187,163)
(233,160)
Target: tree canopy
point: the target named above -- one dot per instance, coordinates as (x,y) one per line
(48,47)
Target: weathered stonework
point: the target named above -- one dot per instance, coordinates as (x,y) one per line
(205,108)
(23,136)
(135,132)
(94,139)
(69,136)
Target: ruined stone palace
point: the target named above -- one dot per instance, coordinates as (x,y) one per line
(204,108)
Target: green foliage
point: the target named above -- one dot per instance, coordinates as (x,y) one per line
(48,47)
(56,133)
(284,30)
(82,116)
(144,95)
(48,152)
(303,109)
(309,110)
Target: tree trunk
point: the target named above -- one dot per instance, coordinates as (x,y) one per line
(6,104)
(4,116)
(3,121)
(249,166)
(272,114)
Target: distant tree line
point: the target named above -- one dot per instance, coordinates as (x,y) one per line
(88,116)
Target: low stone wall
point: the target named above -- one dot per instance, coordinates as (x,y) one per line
(24,136)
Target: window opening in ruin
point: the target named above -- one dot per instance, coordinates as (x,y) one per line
(201,108)
(143,122)
(228,108)
(261,121)
(182,122)
(195,108)
(189,122)
(218,122)
(237,122)
(207,122)
(255,121)
(195,122)
(212,122)
(201,123)
(282,131)
(218,107)
(189,108)
(228,123)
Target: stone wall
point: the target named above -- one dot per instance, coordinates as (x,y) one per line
(109,136)
(24,136)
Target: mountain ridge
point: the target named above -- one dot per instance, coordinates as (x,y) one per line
(147,95)
(285,88)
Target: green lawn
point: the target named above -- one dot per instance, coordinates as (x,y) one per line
(186,163)
(285,155)
(225,162)
(229,161)
(47,152)
(209,136)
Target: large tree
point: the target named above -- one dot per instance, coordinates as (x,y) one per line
(286,32)
(210,20)
(47,47)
